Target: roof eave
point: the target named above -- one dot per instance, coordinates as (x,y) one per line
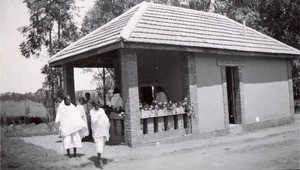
(87,54)
(152,46)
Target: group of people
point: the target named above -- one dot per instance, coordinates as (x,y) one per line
(88,119)
(74,125)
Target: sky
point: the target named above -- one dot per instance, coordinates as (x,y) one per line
(18,74)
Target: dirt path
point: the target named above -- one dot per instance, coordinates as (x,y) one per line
(276,151)
(271,148)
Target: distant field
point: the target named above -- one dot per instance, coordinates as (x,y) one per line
(12,108)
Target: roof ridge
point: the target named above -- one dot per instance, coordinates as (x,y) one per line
(266,36)
(128,28)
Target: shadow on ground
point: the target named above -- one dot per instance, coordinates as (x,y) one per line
(78,155)
(96,162)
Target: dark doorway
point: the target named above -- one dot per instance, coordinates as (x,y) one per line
(232,80)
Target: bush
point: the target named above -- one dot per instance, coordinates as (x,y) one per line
(18,120)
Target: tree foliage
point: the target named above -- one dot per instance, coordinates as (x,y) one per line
(101,13)
(51,28)
(53,89)
(38,96)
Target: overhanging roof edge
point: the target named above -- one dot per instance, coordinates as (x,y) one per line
(151,46)
(101,50)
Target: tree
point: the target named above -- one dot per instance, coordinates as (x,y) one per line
(49,23)
(51,28)
(53,89)
(104,78)
(101,13)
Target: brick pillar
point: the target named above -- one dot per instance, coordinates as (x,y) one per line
(290,84)
(68,81)
(189,83)
(130,93)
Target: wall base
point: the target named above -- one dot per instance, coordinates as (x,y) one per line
(269,123)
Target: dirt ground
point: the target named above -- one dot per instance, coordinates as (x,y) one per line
(275,151)
(270,148)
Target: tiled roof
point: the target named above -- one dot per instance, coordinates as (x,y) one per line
(161,24)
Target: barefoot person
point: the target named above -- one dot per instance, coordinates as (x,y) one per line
(71,125)
(100,128)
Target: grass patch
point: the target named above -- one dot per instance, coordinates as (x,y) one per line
(16,154)
(28,130)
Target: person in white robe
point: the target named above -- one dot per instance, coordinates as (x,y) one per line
(72,127)
(100,128)
(160,96)
(116,100)
(82,113)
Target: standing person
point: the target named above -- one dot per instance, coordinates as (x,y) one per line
(116,100)
(100,127)
(82,113)
(87,107)
(71,125)
(160,96)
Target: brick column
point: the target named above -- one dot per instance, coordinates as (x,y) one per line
(130,92)
(68,81)
(290,84)
(189,83)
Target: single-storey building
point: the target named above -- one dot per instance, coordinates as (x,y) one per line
(230,74)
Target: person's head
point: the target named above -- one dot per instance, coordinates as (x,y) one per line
(87,95)
(159,89)
(116,90)
(96,105)
(67,100)
(81,100)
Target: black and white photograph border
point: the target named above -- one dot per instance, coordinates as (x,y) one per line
(156,84)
